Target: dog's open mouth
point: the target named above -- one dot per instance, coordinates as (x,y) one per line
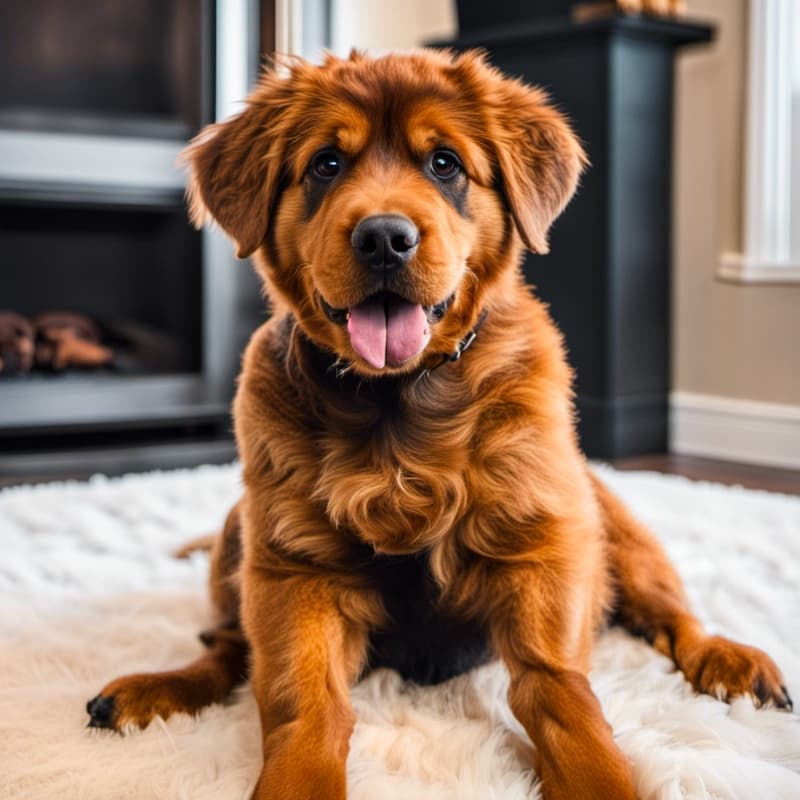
(386,329)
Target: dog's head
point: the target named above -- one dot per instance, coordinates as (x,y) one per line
(387,198)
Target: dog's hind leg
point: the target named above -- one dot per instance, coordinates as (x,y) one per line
(134,700)
(651,603)
(137,699)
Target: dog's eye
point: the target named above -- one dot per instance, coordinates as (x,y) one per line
(444,164)
(326,165)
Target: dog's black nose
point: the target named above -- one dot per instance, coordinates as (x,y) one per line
(385,241)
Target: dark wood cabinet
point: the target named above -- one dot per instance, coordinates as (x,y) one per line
(607,276)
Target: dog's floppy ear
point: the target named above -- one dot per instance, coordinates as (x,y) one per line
(235,167)
(538,156)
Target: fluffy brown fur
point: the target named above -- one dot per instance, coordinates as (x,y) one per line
(449,495)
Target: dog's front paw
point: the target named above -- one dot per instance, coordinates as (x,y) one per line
(302,782)
(296,769)
(726,669)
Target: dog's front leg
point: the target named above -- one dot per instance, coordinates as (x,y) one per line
(305,654)
(541,627)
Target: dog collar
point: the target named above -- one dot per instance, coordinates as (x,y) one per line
(465,343)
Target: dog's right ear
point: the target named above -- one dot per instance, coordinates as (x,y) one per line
(235,167)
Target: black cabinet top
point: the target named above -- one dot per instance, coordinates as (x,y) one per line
(544,31)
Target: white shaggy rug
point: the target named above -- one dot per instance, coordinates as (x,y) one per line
(88,590)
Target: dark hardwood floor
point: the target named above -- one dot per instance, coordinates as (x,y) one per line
(751,476)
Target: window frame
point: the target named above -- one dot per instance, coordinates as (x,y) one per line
(771,218)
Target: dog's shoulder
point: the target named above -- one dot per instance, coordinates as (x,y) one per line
(520,360)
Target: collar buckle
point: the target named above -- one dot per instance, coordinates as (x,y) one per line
(464,344)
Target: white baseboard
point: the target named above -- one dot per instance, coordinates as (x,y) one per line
(735,430)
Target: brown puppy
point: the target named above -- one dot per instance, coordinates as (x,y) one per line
(405,506)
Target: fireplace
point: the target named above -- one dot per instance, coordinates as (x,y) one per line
(102,96)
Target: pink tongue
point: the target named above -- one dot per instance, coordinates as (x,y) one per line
(367,329)
(388,331)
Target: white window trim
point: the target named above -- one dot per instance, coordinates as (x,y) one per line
(770,139)
(235,55)
(238,47)
(289,27)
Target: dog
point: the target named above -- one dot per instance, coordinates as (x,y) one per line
(414,492)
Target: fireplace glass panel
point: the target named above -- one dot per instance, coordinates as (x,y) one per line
(128,67)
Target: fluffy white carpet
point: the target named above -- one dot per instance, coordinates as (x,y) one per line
(88,590)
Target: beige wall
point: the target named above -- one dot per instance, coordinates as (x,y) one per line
(390,24)
(730,340)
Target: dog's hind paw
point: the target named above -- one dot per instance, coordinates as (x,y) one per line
(727,669)
(131,702)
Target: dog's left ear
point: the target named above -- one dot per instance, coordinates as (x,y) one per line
(539,157)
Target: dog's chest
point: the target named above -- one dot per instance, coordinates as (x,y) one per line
(399,481)
(421,639)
